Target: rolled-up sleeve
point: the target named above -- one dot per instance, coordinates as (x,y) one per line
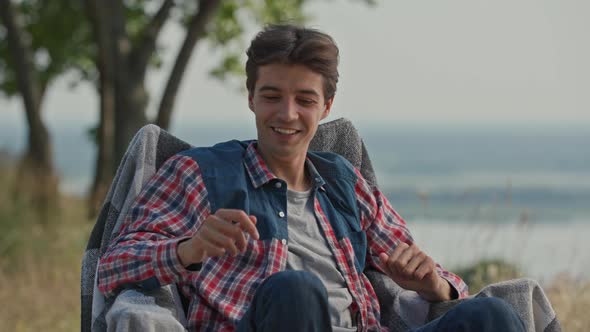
(385,229)
(169,209)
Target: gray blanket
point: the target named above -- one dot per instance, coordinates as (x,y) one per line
(138,310)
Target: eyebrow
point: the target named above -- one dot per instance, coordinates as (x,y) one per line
(274,88)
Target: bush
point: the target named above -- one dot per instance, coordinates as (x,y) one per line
(486,272)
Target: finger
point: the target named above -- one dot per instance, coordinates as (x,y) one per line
(232,231)
(401,247)
(219,239)
(410,268)
(425,268)
(226,242)
(384,259)
(391,260)
(211,250)
(214,251)
(241,242)
(242,218)
(404,257)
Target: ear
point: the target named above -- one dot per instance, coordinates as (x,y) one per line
(251,102)
(328,108)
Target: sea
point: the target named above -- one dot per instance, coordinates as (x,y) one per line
(466,193)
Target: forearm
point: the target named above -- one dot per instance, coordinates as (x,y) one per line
(147,264)
(443,292)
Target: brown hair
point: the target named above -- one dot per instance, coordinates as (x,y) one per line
(291,44)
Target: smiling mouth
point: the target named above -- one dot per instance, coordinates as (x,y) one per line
(285,131)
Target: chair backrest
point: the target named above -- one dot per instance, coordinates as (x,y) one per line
(148,150)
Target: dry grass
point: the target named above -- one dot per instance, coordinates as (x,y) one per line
(42,297)
(43,288)
(40,263)
(570,298)
(571,301)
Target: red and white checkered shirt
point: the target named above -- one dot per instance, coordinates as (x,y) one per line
(172,206)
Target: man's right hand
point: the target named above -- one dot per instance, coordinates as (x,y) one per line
(220,233)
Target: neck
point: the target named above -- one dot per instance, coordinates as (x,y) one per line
(291,169)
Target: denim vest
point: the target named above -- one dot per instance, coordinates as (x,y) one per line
(229,186)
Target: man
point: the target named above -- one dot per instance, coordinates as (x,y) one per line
(266,235)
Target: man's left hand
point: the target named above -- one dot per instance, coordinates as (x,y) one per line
(412,269)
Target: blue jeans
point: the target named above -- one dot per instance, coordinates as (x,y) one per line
(298,301)
(484,314)
(288,301)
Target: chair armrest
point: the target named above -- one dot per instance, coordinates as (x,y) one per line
(404,310)
(141,310)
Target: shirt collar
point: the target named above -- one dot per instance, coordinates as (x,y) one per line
(260,174)
(316,179)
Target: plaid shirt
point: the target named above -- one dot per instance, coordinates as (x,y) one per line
(174,203)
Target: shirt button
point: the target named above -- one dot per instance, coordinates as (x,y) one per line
(281,214)
(278,184)
(283,241)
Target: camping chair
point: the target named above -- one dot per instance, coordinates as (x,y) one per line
(164,309)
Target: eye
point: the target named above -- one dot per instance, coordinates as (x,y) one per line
(306,101)
(271,98)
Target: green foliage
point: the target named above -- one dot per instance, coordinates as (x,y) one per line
(231,65)
(226,26)
(486,272)
(59,38)
(270,11)
(137,17)
(7,81)
(226,32)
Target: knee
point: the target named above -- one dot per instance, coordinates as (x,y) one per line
(294,283)
(491,312)
(290,300)
(495,306)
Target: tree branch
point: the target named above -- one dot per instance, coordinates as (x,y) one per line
(195,31)
(141,54)
(22,57)
(115,22)
(38,155)
(105,63)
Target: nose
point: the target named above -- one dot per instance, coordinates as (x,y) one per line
(288,110)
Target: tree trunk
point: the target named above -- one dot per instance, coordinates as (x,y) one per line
(37,165)
(195,31)
(133,99)
(130,94)
(103,173)
(129,114)
(123,97)
(130,65)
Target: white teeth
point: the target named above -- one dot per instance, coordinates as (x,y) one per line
(284,131)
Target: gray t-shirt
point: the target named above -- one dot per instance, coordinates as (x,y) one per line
(309,251)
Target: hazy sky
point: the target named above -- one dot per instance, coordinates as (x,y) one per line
(446,63)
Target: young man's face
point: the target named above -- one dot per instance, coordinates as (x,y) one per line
(288,102)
